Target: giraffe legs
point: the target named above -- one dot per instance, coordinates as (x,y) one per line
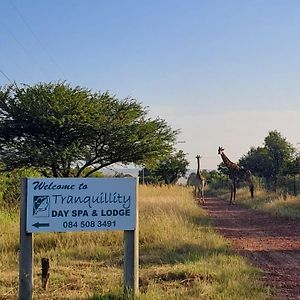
(233,188)
(251,188)
(199,195)
(232,192)
(202,201)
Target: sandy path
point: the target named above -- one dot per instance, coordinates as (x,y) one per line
(272,244)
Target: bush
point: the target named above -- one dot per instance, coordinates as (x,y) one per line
(10,185)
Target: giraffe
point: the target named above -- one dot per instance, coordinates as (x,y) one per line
(236,173)
(199,182)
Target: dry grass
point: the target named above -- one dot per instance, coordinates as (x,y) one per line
(181,257)
(276,204)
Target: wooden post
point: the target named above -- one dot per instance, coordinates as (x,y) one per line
(45,272)
(26,250)
(131,256)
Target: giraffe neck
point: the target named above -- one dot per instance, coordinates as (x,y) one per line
(228,163)
(198,165)
(198,174)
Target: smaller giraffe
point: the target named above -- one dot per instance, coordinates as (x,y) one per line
(199,183)
(236,173)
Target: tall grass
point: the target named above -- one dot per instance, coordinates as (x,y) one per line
(181,257)
(276,204)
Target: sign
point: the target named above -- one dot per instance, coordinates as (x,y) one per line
(80,204)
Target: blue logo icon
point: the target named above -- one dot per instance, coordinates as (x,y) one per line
(41,206)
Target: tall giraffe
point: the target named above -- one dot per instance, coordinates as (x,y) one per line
(199,182)
(236,173)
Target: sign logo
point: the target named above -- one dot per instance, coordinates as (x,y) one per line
(41,206)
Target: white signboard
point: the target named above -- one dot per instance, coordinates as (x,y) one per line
(80,204)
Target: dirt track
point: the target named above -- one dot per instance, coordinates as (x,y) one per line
(272,244)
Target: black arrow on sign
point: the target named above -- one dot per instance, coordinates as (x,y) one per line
(38,225)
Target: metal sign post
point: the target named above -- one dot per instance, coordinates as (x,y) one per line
(131,257)
(26,250)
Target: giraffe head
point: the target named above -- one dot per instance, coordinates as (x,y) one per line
(220,150)
(198,156)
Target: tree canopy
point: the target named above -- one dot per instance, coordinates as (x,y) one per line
(270,160)
(279,150)
(167,171)
(259,161)
(64,130)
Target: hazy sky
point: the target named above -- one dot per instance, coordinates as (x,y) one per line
(224,72)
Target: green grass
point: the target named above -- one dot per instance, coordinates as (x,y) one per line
(181,257)
(276,204)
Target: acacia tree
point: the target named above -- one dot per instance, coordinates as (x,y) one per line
(270,160)
(172,168)
(167,171)
(259,161)
(64,130)
(280,152)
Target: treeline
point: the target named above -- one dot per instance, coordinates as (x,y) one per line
(276,163)
(275,166)
(56,130)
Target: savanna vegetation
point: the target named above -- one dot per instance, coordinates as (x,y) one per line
(181,256)
(275,167)
(276,204)
(55,130)
(276,163)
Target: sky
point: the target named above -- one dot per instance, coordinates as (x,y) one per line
(223,72)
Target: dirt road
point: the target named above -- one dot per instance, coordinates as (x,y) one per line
(272,244)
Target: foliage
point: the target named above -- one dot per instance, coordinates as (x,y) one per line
(210,176)
(280,152)
(216,179)
(147,176)
(191,179)
(167,171)
(87,172)
(55,127)
(222,169)
(258,161)
(276,204)
(10,188)
(291,169)
(271,160)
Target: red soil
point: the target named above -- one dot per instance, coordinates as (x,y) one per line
(272,244)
